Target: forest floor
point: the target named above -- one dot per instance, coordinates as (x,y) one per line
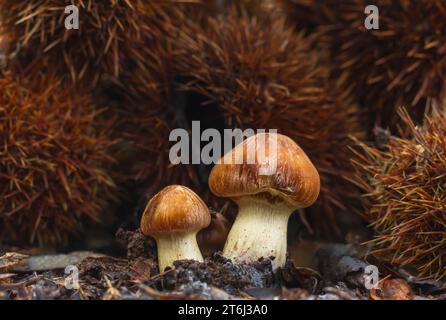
(341,275)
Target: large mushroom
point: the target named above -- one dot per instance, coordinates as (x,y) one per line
(269,176)
(173,217)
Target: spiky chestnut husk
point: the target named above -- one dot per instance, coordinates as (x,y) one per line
(152,110)
(82,56)
(405,197)
(152,107)
(259,74)
(307,15)
(148,110)
(401,64)
(53,160)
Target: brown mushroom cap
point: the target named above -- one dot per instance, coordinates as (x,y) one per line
(174,209)
(295,180)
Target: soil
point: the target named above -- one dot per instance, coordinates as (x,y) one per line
(136,276)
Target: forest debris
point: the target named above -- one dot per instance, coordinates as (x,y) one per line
(6,277)
(138,245)
(210,293)
(262,293)
(163,295)
(294,294)
(53,261)
(299,277)
(218,294)
(109,278)
(143,269)
(219,272)
(428,286)
(391,289)
(339,263)
(341,293)
(97,268)
(11,260)
(21,284)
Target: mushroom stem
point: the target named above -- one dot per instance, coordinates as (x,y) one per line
(260,230)
(177,246)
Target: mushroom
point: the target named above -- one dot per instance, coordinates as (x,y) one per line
(267,192)
(173,217)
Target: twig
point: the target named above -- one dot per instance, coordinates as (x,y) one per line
(21,284)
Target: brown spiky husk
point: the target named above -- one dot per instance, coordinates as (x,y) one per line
(124,46)
(53,160)
(405,197)
(80,56)
(308,15)
(152,108)
(258,74)
(401,64)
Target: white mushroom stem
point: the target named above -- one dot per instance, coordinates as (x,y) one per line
(260,230)
(177,246)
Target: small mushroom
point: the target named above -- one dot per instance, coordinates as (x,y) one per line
(267,192)
(173,217)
